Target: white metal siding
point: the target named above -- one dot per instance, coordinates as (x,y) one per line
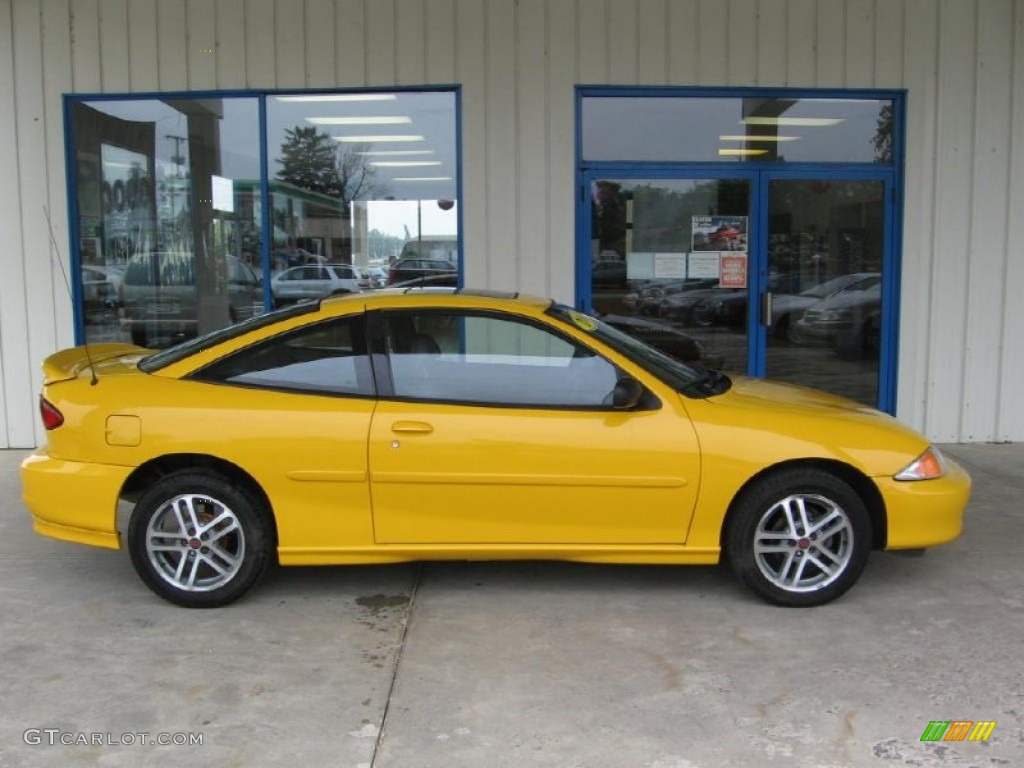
(962,322)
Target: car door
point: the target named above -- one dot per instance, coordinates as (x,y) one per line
(495,428)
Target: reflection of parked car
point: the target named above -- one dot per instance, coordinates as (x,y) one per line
(608,274)
(101,286)
(373,277)
(160,295)
(787,308)
(849,320)
(312,282)
(412,268)
(665,338)
(648,296)
(728,306)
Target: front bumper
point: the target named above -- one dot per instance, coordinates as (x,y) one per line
(925,513)
(73,501)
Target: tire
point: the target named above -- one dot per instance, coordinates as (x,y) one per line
(786,563)
(224,550)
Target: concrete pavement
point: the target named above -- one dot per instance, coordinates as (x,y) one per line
(517,664)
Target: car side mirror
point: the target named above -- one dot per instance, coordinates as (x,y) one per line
(627,393)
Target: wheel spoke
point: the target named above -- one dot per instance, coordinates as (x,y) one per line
(803,542)
(184,562)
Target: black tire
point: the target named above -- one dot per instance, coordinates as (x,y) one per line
(820,564)
(224,550)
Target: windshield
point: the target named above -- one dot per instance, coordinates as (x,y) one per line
(192,346)
(676,374)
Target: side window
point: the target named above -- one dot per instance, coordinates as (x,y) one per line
(328,358)
(496,360)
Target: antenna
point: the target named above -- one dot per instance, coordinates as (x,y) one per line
(67,284)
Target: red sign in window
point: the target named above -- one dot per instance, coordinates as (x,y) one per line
(733,270)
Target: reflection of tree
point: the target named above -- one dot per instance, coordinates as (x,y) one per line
(313,161)
(883,135)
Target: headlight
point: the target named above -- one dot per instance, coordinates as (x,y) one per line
(928,466)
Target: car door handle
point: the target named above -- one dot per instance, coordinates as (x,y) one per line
(420,427)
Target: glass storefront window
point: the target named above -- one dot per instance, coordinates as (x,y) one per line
(726,129)
(367,180)
(171,216)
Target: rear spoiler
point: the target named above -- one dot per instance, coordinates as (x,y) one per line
(69,363)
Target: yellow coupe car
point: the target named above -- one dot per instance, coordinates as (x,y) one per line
(428,425)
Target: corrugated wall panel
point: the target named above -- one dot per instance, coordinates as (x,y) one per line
(952,224)
(889,44)
(712,42)
(561,143)
(142,45)
(350,43)
(830,43)
(172,45)
(14,353)
(921,63)
(471,46)
(260,44)
(683,51)
(501,151)
(31,267)
(441,36)
(230,51)
(1010,416)
(962,344)
(986,259)
(531,172)
(410,42)
(772,38)
(652,42)
(320,42)
(742,55)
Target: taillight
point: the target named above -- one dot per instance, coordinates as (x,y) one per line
(52,418)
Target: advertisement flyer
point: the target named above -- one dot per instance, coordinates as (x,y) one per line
(719,233)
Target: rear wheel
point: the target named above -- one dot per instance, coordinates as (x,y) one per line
(799,537)
(198,541)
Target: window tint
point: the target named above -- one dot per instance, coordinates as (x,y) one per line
(328,358)
(489,359)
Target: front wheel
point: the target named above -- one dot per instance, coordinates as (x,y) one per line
(198,541)
(800,537)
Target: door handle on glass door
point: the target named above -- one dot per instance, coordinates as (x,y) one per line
(766,309)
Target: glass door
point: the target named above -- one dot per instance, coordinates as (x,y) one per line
(772,274)
(670,263)
(825,310)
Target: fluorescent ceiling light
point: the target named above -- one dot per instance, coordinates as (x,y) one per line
(391,152)
(379,120)
(423,178)
(758,138)
(806,121)
(372,139)
(326,97)
(742,152)
(403,163)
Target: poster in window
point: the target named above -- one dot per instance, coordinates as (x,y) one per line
(734,270)
(719,233)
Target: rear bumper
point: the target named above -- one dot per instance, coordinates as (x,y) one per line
(925,513)
(73,501)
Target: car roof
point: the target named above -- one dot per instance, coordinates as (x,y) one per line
(455,297)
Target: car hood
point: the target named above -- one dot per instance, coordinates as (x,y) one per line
(779,422)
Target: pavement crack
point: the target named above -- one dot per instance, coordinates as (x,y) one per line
(414,591)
